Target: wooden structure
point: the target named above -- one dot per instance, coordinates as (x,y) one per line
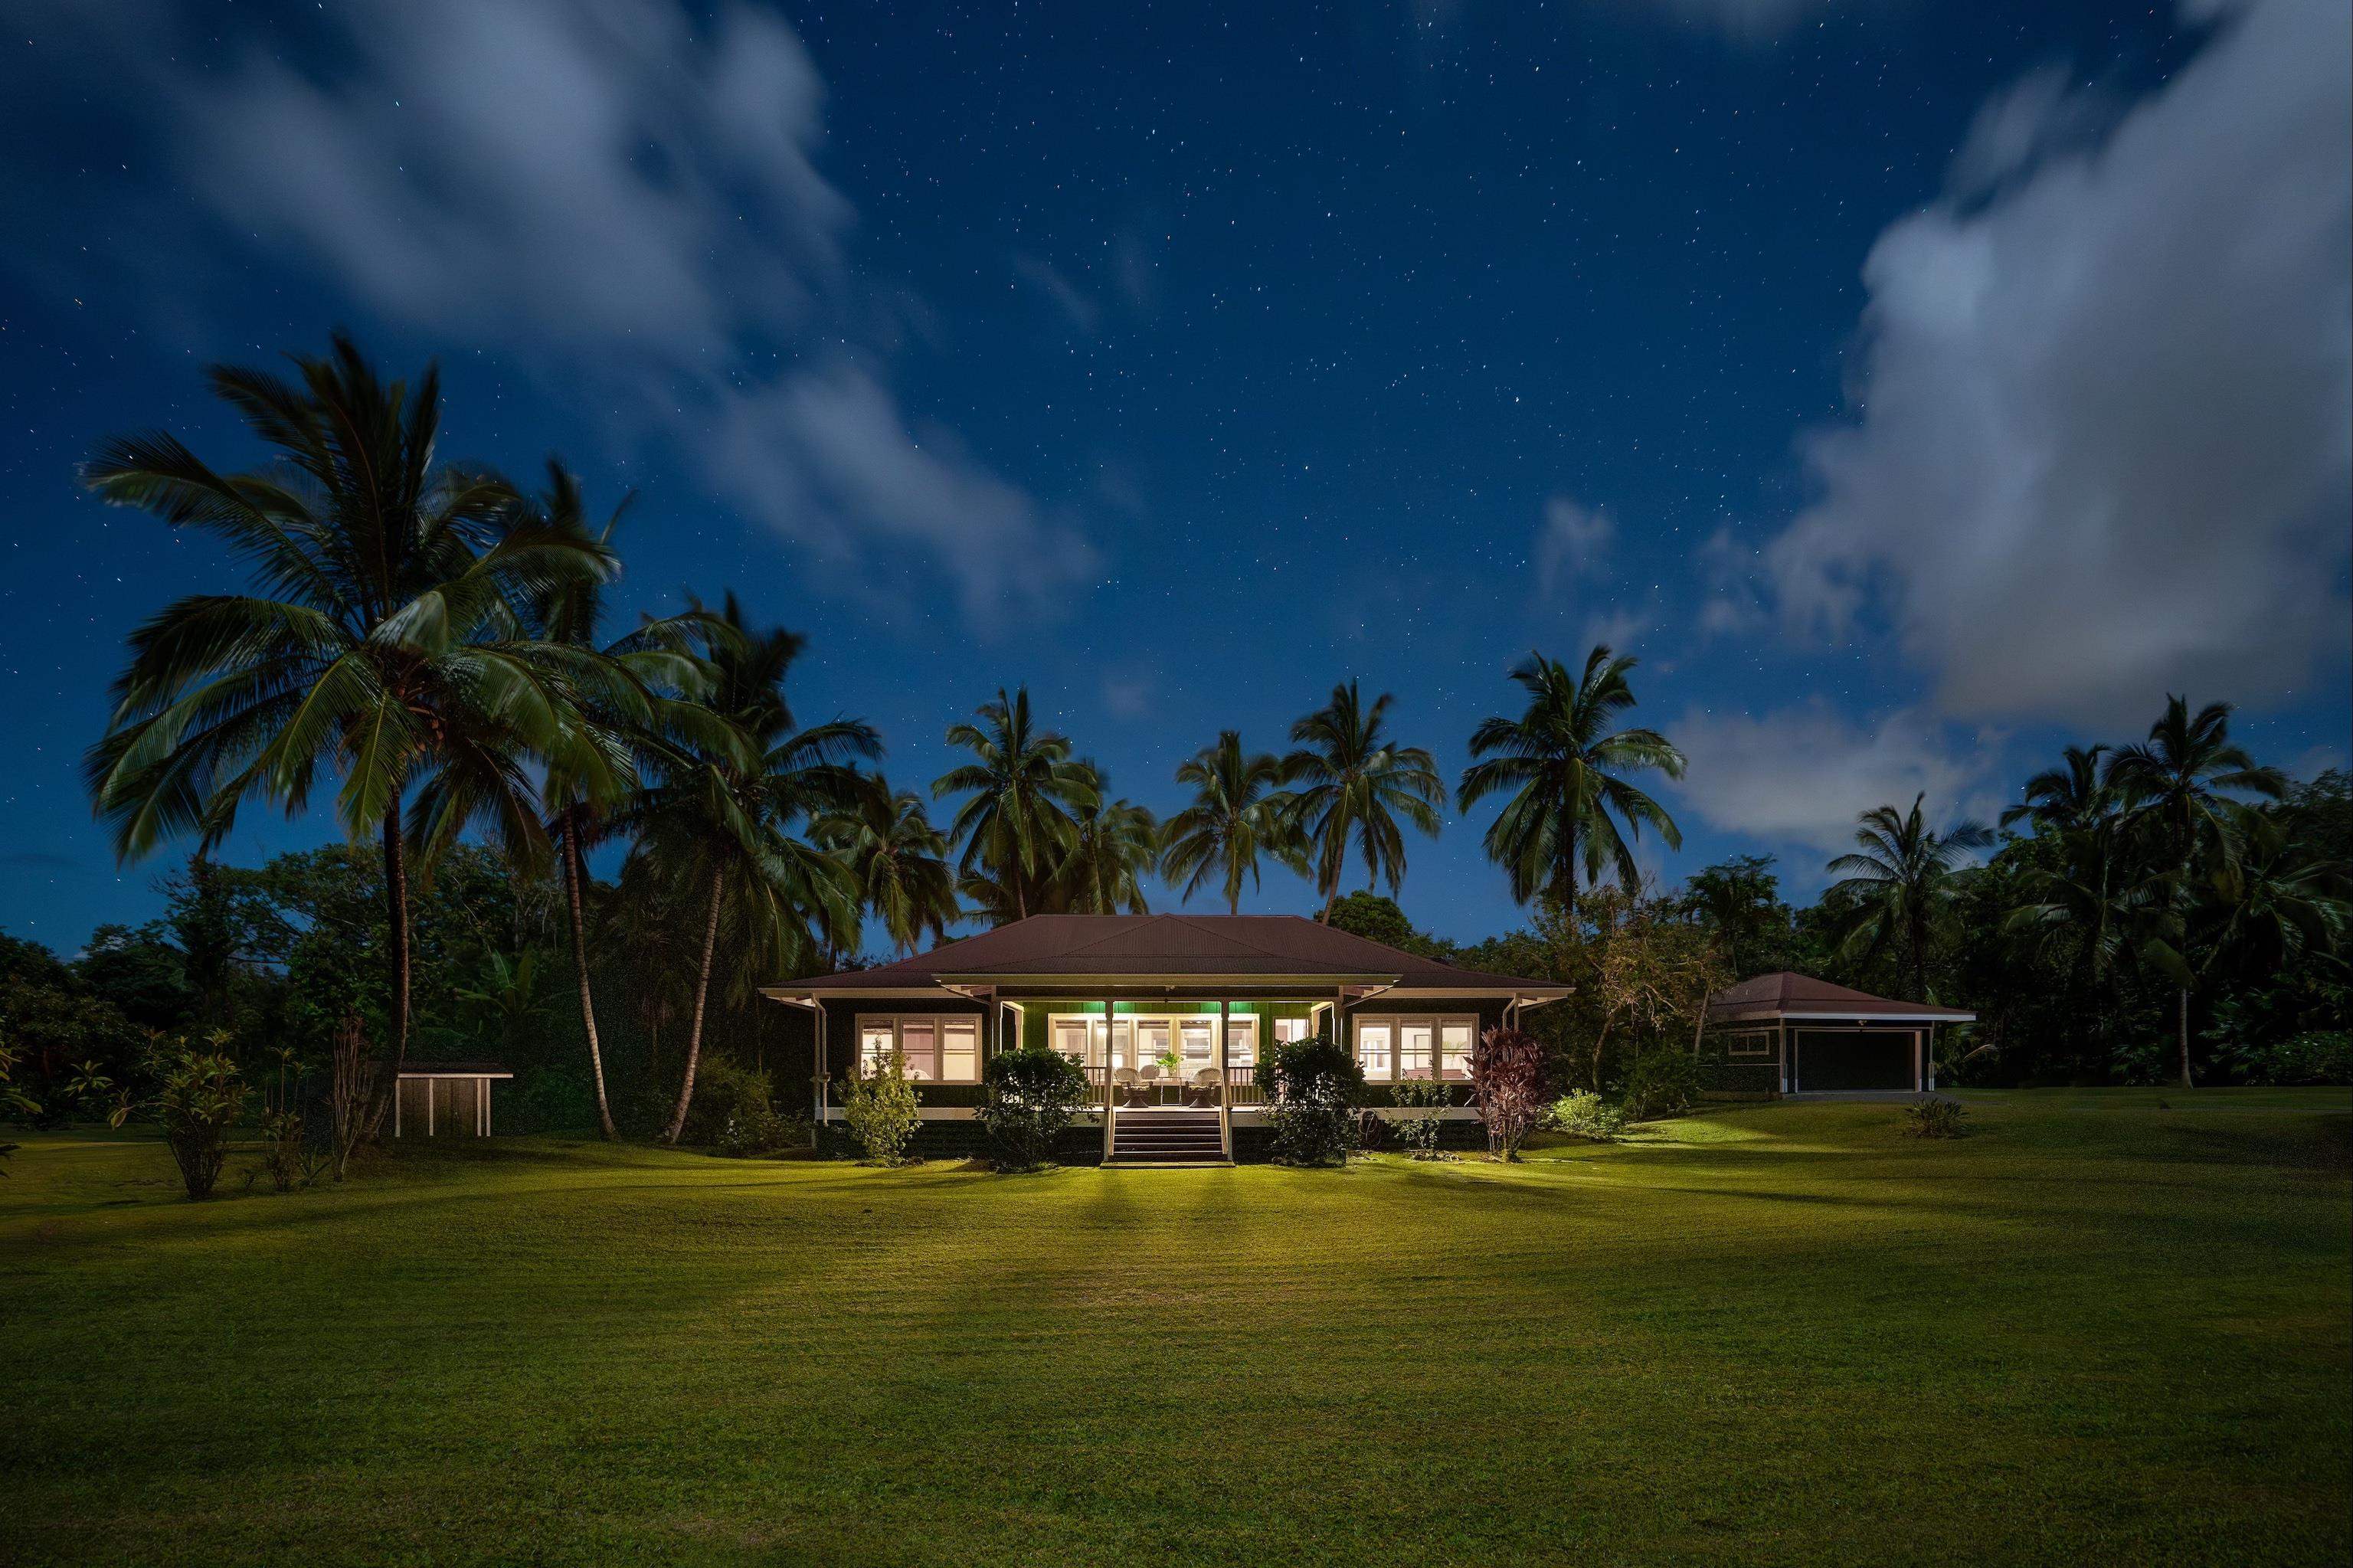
(444,1099)
(1802,1035)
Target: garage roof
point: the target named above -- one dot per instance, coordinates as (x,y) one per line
(1792,995)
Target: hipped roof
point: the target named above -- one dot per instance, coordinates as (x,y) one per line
(1047,947)
(1792,995)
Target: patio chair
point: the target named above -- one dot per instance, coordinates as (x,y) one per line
(1204,1088)
(1129,1084)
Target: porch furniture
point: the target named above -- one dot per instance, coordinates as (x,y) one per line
(1204,1089)
(1130,1085)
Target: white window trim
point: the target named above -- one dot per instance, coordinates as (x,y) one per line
(1438,1023)
(1174,1021)
(1759,1049)
(897,1021)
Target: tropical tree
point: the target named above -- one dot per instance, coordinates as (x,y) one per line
(1111,850)
(381,642)
(1025,788)
(896,860)
(637,688)
(720,814)
(2178,778)
(1356,784)
(1903,874)
(1238,815)
(2071,795)
(1561,762)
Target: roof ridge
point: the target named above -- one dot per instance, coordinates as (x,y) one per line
(1193,922)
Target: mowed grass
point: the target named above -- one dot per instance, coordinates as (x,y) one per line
(2097,1331)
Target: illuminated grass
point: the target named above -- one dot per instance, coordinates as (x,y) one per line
(2094,1332)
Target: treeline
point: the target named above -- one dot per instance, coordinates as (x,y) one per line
(436,646)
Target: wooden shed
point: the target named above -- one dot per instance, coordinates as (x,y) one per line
(445,1099)
(1820,1038)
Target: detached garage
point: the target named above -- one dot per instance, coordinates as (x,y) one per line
(1820,1038)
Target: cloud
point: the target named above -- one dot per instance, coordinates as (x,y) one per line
(825,458)
(2104,441)
(1572,542)
(1733,606)
(628,202)
(1800,775)
(1043,276)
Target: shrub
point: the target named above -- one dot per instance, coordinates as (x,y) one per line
(1418,1132)
(2319,1056)
(881,1112)
(1507,1087)
(198,1098)
(1935,1118)
(1584,1114)
(1662,1081)
(1312,1089)
(756,1128)
(732,1111)
(1027,1097)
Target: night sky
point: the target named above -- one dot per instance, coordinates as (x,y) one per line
(1913,387)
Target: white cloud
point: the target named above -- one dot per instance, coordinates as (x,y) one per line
(2104,434)
(628,202)
(825,458)
(1571,543)
(1800,776)
(1733,606)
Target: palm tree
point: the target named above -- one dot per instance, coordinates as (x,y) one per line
(1358,785)
(381,642)
(1025,788)
(1113,848)
(2175,777)
(641,685)
(1903,874)
(2071,795)
(898,860)
(720,814)
(1562,762)
(2100,889)
(1238,814)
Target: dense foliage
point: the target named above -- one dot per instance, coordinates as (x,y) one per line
(1027,1099)
(1314,1087)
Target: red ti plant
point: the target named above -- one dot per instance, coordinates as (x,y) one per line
(1507,1087)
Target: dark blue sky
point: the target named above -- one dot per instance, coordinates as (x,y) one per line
(1912,387)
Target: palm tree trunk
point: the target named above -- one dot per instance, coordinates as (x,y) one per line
(574,871)
(2182,1016)
(701,995)
(396,1042)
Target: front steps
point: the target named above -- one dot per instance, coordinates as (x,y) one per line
(1169,1135)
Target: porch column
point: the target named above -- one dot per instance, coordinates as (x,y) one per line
(1224,1012)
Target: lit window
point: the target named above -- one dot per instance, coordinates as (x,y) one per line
(1454,1049)
(1287,1030)
(935,1049)
(1242,1042)
(1373,1045)
(1071,1040)
(1416,1046)
(960,1051)
(1194,1039)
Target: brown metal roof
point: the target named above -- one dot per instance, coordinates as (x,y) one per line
(1792,995)
(1053,947)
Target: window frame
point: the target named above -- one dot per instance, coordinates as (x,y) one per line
(938,1022)
(1396,1022)
(1765,1040)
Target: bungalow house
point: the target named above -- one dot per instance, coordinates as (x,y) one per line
(1170,1016)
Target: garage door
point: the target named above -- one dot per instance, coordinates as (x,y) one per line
(1830,1060)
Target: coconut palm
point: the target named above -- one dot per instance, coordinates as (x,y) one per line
(1025,790)
(1112,847)
(720,815)
(2177,779)
(636,688)
(898,860)
(1562,762)
(1357,783)
(2071,795)
(1896,885)
(1238,815)
(381,642)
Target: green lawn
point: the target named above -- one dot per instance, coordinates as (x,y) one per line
(2097,1331)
